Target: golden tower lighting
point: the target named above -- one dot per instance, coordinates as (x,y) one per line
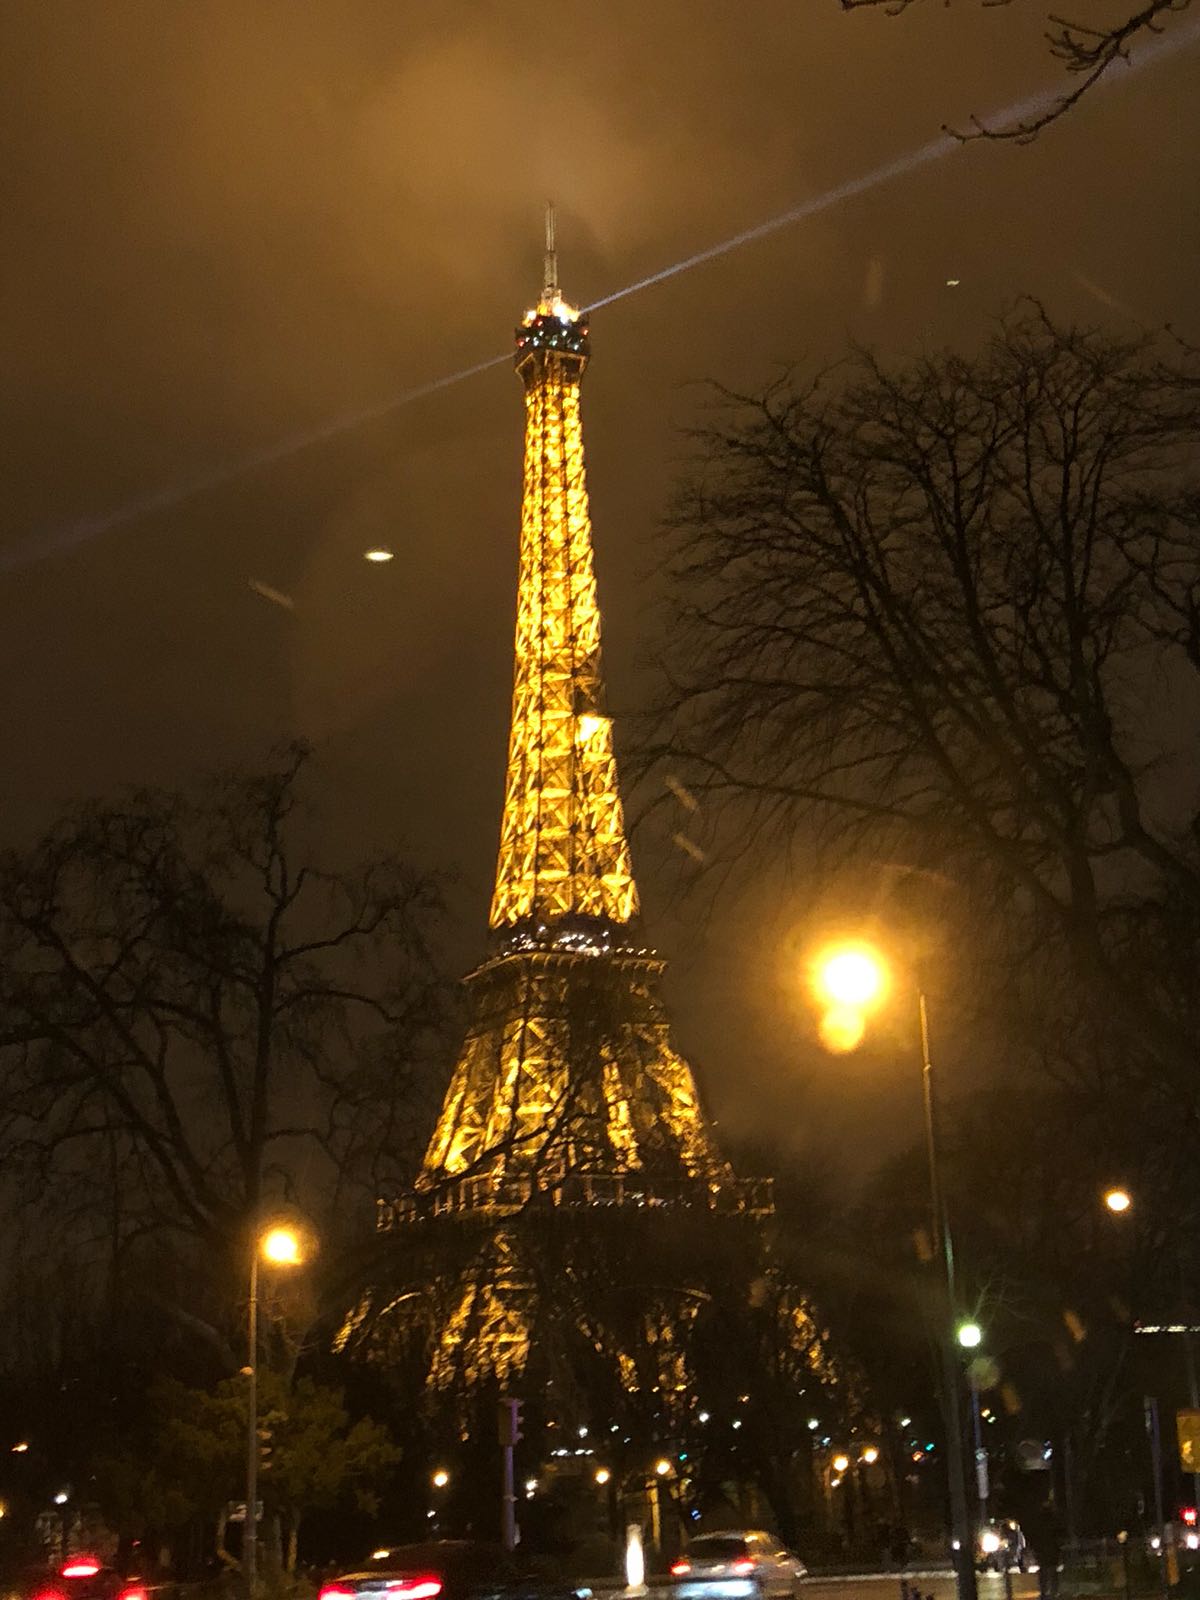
(568,1084)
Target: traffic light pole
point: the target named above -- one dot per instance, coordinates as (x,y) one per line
(510,1501)
(509,1419)
(961,1539)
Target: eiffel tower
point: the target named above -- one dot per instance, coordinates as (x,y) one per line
(568,1093)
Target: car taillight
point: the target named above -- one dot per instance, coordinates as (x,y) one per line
(679,1568)
(415,1588)
(50,1594)
(80,1567)
(336,1591)
(744,1566)
(132,1593)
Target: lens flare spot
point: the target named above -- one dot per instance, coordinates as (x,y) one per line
(842,1029)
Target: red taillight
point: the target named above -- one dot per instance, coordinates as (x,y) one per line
(50,1594)
(743,1566)
(80,1567)
(679,1568)
(415,1588)
(133,1593)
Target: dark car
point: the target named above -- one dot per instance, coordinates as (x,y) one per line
(83,1577)
(450,1569)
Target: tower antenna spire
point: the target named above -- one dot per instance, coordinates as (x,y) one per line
(550,270)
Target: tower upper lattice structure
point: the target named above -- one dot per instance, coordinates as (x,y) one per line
(564,867)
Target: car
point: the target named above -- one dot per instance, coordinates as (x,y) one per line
(734,1563)
(448,1569)
(85,1577)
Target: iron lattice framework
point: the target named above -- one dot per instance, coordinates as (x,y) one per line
(568,1091)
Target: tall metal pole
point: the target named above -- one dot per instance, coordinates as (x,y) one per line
(1154,1434)
(963,1544)
(509,1502)
(250,1533)
(982,1479)
(1189,1350)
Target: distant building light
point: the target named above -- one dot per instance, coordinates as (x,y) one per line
(379,554)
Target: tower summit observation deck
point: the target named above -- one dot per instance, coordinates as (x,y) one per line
(568,1088)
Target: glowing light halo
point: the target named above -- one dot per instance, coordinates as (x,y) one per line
(52,541)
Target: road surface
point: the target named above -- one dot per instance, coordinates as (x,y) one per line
(938,1584)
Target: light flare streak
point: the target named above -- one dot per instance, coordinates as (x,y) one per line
(56,541)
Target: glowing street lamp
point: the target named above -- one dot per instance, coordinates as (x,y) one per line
(278,1246)
(970,1335)
(662,1467)
(1118,1199)
(441,1478)
(852,975)
(851,979)
(602,1475)
(281,1247)
(869,1456)
(840,1463)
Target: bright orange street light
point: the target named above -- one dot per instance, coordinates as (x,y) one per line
(851,980)
(852,974)
(1118,1199)
(282,1247)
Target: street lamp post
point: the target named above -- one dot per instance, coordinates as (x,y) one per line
(281,1247)
(963,1547)
(854,978)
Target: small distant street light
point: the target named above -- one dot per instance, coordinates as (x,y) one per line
(1118,1199)
(379,555)
(61,1498)
(602,1475)
(662,1467)
(841,1463)
(441,1478)
(20,1447)
(970,1335)
(870,1455)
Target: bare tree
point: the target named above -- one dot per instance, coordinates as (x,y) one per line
(945,614)
(198,1021)
(1088,52)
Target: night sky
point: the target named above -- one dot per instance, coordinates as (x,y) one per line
(226,224)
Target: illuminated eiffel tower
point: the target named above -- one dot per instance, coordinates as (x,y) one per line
(568,1092)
